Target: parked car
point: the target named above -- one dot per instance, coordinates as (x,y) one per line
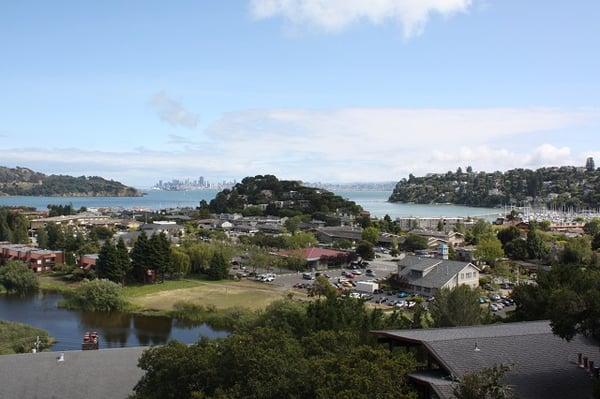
(356,272)
(307,276)
(402,294)
(370,273)
(493,307)
(495,297)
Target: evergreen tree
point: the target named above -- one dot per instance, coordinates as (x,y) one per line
(123,259)
(139,258)
(56,237)
(20,233)
(590,165)
(42,238)
(219,267)
(5,232)
(108,265)
(535,244)
(159,251)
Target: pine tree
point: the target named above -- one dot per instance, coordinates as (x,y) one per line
(108,265)
(123,259)
(140,258)
(56,237)
(42,238)
(5,232)
(218,268)
(160,254)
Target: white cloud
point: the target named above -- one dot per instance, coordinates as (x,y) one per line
(354,144)
(335,15)
(172,111)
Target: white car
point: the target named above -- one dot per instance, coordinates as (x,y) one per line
(356,272)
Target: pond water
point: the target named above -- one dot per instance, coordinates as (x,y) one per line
(115,329)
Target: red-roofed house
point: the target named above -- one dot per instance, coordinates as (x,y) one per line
(321,258)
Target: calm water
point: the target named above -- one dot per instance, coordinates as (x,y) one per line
(373,201)
(115,329)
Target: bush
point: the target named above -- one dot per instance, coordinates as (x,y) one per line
(16,277)
(97,295)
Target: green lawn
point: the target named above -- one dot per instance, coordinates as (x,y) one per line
(132,291)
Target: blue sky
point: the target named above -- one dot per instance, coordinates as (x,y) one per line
(338,90)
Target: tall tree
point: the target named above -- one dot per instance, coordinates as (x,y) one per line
(140,258)
(219,267)
(456,307)
(108,265)
(42,238)
(484,384)
(123,259)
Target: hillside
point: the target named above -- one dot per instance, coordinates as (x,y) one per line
(24,181)
(567,186)
(266,195)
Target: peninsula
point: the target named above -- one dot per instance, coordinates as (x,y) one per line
(24,181)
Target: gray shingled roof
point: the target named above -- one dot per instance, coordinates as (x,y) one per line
(544,364)
(100,374)
(442,272)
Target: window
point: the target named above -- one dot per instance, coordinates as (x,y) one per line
(469,275)
(462,276)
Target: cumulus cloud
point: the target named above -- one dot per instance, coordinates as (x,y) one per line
(351,144)
(335,15)
(172,111)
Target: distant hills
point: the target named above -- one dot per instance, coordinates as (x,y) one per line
(568,186)
(267,195)
(24,181)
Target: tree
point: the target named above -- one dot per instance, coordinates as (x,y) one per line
(219,267)
(596,242)
(414,242)
(322,287)
(159,251)
(292,224)
(440,225)
(16,277)
(123,260)
(42,238)
(364,249)
(301,239)
(469,169)
(56,237)
(489,250)
(456,307)
(98,295)
(577,250)
(180,262)
(108,265)
(517,249)
(371,234)
(484,384)
(508,234)
(592,227)
(140,261)
(480,230)
(590,165)
(20,230)
(535,244)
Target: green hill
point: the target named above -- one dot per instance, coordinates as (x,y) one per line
(24,181)
(267,195)
(568,186)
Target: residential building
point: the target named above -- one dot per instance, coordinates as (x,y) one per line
(329,235)
(435,238)
(88,261)
(426,276)
(543,364)
(37,259)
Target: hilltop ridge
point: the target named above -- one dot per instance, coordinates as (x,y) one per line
(25,181)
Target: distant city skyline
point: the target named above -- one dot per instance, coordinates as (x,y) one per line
(335,91)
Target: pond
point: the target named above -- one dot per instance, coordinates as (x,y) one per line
(115,329)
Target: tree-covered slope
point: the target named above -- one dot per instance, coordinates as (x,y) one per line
(567,186)
(24,181)
(271,196)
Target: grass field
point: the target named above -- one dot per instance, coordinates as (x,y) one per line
(218,294)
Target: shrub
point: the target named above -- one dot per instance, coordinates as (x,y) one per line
(97,295)
(16,277)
